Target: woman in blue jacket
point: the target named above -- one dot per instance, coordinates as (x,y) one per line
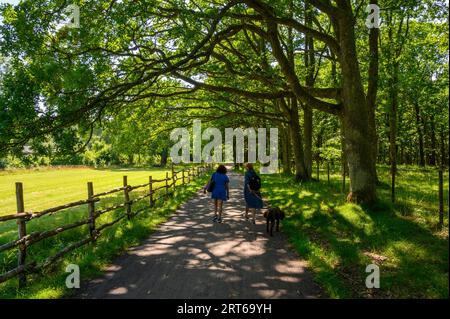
(220,192)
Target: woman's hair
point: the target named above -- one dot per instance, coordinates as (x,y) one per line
(221,169)
(249,166)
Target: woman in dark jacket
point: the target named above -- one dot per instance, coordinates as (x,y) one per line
(253,199)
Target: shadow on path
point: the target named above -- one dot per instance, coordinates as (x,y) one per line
(189,256)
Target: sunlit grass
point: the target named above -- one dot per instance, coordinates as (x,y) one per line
(340,239)
(47,188)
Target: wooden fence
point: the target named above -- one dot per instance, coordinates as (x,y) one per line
(439,171)
(25,240)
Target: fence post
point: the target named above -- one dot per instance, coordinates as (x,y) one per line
(174,179)
(22,231)
(189,175)
(91,209)
(127,197)
(167,185)
(182,171)
(441,199)
(150,190)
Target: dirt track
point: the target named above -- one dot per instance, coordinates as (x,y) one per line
(189,256)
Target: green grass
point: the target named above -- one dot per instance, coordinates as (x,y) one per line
(92,258)
(45,188)
(339,239)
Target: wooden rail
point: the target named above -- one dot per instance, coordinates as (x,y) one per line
(25,240)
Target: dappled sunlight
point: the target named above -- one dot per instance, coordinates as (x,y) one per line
(192,257)
(404,249)
(271,294)
(352,218)
(118,291)
(285,279)
(290,267)
(223,248)
(334,234)
(172,240)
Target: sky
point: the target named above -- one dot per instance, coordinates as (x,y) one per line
(10,1)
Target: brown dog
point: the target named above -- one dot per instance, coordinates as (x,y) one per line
(273,215)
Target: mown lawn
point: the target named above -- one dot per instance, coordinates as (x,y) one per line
(45,188)
(92,258)
(339,239)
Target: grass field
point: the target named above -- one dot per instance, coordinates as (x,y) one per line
(339,239)
(47,188)
(50,188)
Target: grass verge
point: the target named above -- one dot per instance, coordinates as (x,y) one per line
(339,239)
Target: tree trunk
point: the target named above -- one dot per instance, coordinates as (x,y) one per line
(300,171)
(307,137)
(164,155)
(130,159)
(317,155)
(372,88)
(433,142)
(286,154)
(420,134)
(358,140)
(307,110)
(393,91)
(443,148)
(402,155)
(344,166)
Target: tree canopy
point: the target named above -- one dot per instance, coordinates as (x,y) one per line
(135,69)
